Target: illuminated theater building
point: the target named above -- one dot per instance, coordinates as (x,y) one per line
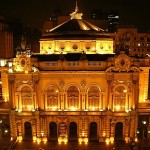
(76,88)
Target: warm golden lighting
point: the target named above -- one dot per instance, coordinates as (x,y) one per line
(127,110)
(54,108)
(107,141)
(104,134)
(111,140)
(62,140)
(117,107)
(2,63)
(86,110)
(73,108)
(5,100)
(136,139)
(83,140)
(83,133)
(42,134)
(10,70)
(19,138)
(144,122)
(124,91)
(38,140)
(19,110)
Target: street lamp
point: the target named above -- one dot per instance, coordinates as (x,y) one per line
(144,130)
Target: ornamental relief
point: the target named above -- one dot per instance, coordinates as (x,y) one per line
(11,78)
(121,82)
(122,63)
(23,82)
(83,83)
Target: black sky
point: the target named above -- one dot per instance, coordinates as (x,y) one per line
(34,12)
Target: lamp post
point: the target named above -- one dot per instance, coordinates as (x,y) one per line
(144,130)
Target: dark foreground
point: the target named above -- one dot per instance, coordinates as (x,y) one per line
(72,145)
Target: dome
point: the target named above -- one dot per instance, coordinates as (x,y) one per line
(76,26)
(75,36)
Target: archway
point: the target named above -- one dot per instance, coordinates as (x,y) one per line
(119,131)
(28,131)
(93,131)
(73,131)
(53,131)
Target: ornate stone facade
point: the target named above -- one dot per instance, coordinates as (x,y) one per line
(99,97)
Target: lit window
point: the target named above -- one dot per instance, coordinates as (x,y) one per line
(93,98)
(27,99)
(52,98)
(73,98)
(119,98)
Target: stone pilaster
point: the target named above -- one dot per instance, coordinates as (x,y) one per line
(13,126)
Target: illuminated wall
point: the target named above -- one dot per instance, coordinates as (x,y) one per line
(99,46)
(143,83)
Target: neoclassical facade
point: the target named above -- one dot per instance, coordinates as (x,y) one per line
(77,95)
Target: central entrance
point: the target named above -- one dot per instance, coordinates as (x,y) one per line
(119,131)
(28,131)
(72,131)
(93,131)
(53,131)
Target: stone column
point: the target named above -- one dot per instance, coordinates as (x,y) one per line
(109,81)
(11,79)
(62,101)
(35,78)
(13,126)
(83,101)
(65,101)
(37,116)
(135,82)
(34,130)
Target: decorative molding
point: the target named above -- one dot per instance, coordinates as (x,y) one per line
(11,78)
(35,78)
(62,83)
(83,83)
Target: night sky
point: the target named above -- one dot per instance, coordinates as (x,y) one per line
(34,12)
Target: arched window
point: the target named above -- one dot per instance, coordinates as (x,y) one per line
(119,98)
(52,98)
(27,99)
(93,98)
(73,98)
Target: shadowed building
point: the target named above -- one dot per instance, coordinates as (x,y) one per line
(6,40)
(76,88)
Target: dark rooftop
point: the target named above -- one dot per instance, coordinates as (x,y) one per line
(72,57)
